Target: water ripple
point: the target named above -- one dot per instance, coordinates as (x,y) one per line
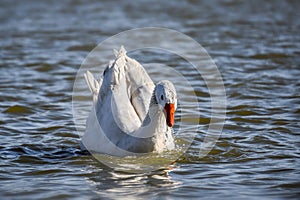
(256,47)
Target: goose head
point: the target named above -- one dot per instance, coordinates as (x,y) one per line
(166,98)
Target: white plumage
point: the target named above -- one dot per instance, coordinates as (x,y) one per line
(130,114)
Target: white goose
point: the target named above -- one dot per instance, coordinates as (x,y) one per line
(131,114)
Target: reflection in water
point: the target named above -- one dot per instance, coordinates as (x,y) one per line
(118,184)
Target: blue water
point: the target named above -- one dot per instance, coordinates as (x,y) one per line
(255,45)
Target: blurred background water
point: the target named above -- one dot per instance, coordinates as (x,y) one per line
(255,44)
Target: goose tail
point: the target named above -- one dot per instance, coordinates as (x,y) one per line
(93,84)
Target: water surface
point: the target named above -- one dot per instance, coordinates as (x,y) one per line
(256,47)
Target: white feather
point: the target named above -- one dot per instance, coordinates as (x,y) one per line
(122,121)
(93,85)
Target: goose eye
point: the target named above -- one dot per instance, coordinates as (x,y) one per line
(162,97)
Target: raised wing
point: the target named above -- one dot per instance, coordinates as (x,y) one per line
(131,85)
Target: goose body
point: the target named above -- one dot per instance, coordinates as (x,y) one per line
(130,114)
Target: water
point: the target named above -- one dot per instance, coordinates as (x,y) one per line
(256,47)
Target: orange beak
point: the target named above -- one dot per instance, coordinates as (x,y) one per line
(169,112)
